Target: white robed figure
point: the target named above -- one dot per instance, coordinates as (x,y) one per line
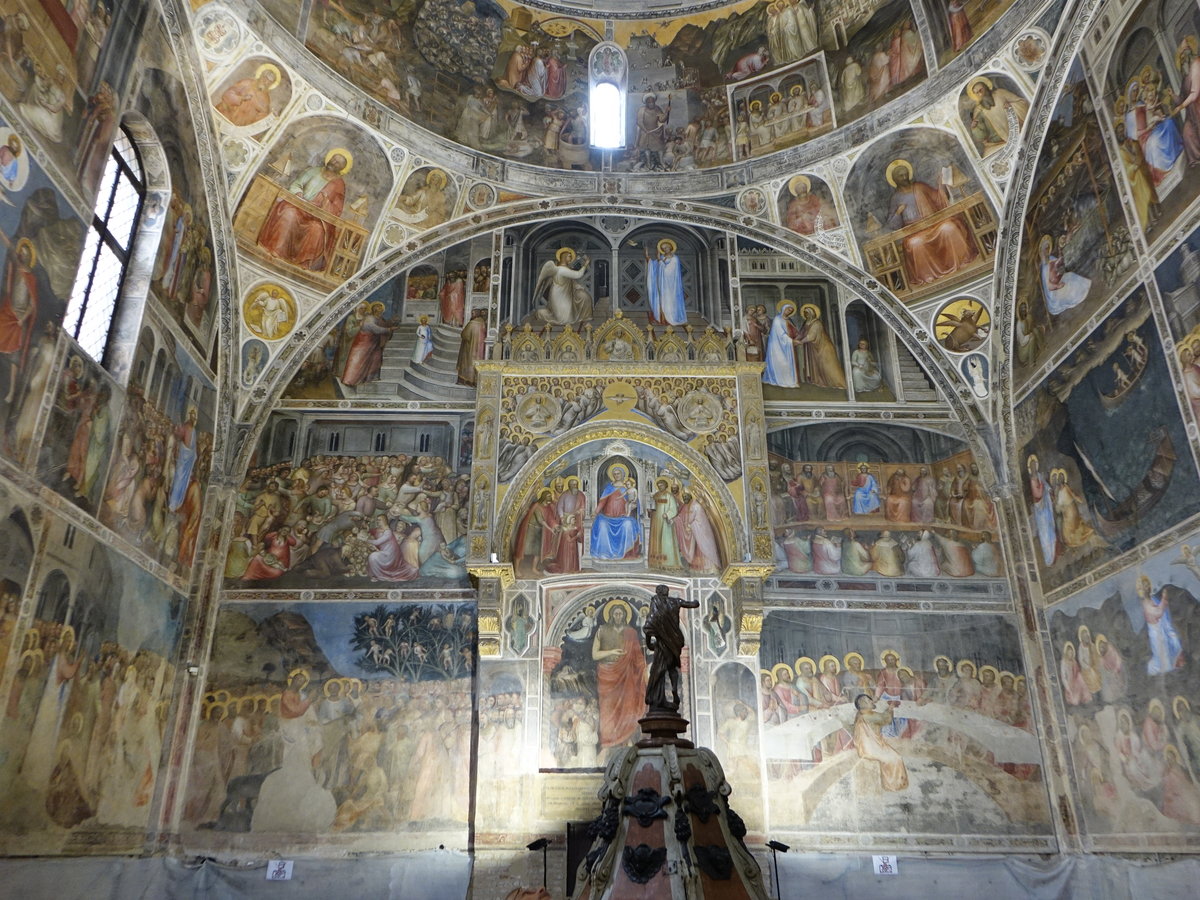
(568,301)
(1061,289)
(781,368)
(664,283)
(423,348)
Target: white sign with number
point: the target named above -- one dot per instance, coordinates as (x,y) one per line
(886,865)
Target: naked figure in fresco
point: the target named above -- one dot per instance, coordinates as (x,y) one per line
(664,638)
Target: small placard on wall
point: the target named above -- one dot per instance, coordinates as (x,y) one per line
(281,870)
(886,865)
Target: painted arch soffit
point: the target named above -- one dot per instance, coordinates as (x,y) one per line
(984,52)
(909,329)
(1079,15)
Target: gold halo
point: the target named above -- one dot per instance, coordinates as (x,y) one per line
(966,662)
(995,673)
(775,671)
(762,672)
(795,89)
(14,144)
(798,180)
(946,658)
(614,468)
(783,304)
(755,105)
(837,663)
(330,683)
(274,69)
(345,154)
(564,251)
(1156,702)
(666,242)
(1179,698)
(851,655)
(885,653)
(26,242)
(986,82)
(806,659)
(613,604)
(815,310)
(775,97)
(438,176)
(906,670)
(898,164)
(301,672)
(1082,628)
(377,307)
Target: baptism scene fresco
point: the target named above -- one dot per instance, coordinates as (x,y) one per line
(90,703)
(1152,99)
(1089,497)
(874,501)
(354,517)
(1126,652)
(1077,245)
(738,82)
(899,722)
(333,718)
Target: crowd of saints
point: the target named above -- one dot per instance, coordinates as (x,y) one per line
(367,518)
(895,706)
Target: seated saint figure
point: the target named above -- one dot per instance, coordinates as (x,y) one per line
(936,250)
(616,529)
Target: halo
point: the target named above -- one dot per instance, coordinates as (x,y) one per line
(613,604)
(806,659)
(851,655)
(795,90)
(438,176)
(617,467)
(966,662)
(898,164)
(947,659)
(985,81)
(345,154)
(564,251)
(815,310)
(1079,632)
(995,672)
(14,143)
(1156,702)
(1179,698)
(907,671)
(303,673)
(26,242)
(767,672)
(798,180)
(775,96)
(666,242)
(784,304)
(886,653)
(273,69)
(755,105)
(1046,244)
(837,663)
(775,671)
(1059,471)
(330,683)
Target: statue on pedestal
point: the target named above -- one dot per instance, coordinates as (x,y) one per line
(664,638)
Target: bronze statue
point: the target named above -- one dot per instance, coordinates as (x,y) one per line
(664,638)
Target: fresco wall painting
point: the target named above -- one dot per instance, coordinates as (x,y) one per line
(329,718)
(902,726)
(90,701)
(1088,495)
(1125,652)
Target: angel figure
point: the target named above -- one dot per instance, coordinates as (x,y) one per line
(1187,558)
(568,301)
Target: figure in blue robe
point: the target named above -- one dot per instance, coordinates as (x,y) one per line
(616,530)
(664,284)
(866,492)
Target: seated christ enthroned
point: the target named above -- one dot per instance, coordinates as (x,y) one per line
(937,250)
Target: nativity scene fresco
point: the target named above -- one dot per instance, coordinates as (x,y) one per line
(1087,496)
(897,723)
(1126,654)
(870,502)
(335,718)
(91,700)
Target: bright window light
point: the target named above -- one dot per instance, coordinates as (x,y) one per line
(608,116)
